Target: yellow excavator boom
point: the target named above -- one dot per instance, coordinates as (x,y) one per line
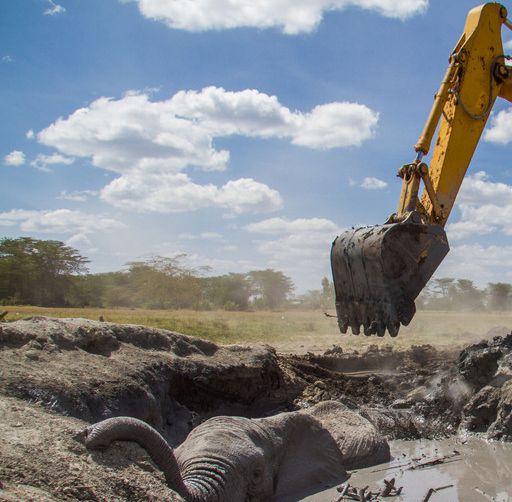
(378,271)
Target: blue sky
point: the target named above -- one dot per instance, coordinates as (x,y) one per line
(245,134)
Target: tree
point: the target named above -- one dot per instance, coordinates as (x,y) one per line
(163,282)
(443,286)
(37,272)
(500,295)
(230,292)
(327,293)
(466,296)
(270,287)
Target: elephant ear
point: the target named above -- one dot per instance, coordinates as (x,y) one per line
(311,459)
(357,438)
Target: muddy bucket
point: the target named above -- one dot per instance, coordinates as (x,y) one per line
(379,271)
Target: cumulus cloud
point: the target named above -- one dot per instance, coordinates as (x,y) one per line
(57,221)
(299,247)
(42,161)
(290,16)
(373,184)
(276,226)
(200,236)
(77,195)
(54,9)
(500,128)
(149,143)
(203,262)
(484,205)
(134,132)
(481,264)
(15,158)
(7,59)
(170,193)
(83,242)
(336,125)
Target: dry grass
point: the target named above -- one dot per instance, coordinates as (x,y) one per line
(290,330)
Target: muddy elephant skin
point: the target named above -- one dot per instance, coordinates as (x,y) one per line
(232,459)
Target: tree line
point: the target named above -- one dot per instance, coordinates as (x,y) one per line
(49,273)
(447,293)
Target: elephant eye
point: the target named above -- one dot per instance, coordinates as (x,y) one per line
(257,473)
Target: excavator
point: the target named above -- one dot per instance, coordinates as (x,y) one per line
(378,271)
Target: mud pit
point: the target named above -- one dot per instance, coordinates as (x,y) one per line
(59,375)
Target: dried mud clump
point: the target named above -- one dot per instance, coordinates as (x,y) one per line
(488,367)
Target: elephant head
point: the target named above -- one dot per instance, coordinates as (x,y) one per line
(236,459)
(224,459)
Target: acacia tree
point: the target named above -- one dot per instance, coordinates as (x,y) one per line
(37,272)
(500,295)
(271,287)
(163,282)
(231,291)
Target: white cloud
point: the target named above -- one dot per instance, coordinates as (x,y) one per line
(336,125)
(30,134)
(15,158)
(217,265)
(170,193)
(500,128)
(82,242)
(7,59)
(200,236)
(54,9)
(508,45)
(477,189)
(276,226)
(291,16)
(300,247)
(42,161)
(481,264)
(134,132)
(150,142)
(77,195)
(60,221)
(373,184)
(485,206)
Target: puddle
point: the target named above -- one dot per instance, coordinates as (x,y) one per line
(482,472)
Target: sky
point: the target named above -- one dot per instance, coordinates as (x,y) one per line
(244,134)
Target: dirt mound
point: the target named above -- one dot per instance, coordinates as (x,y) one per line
(42,458)
(93,370)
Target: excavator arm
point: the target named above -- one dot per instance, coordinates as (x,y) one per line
(476,76)
(379,271)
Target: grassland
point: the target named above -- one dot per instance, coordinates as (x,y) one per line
(291,330)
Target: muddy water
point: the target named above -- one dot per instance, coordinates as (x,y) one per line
(482,471)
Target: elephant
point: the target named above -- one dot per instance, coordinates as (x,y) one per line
(237,459)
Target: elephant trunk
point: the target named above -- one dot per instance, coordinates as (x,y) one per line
(102,434)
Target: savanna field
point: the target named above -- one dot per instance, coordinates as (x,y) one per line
(290,330)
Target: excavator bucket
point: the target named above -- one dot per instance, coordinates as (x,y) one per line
(378,272)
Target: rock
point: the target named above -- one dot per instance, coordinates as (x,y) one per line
(400,404)
(478,363)
(32,354)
